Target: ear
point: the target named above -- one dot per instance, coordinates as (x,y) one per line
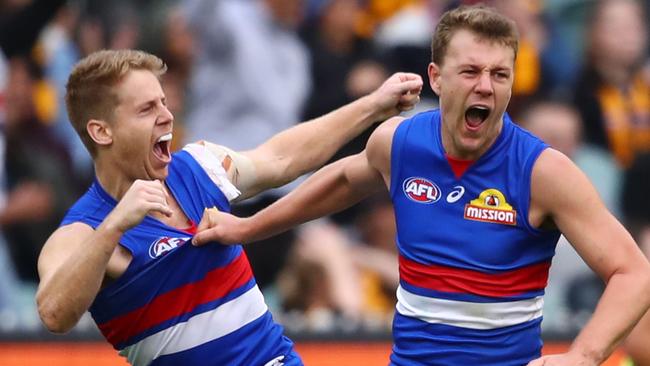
(100,131)
(434,77)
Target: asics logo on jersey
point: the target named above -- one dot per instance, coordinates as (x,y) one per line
(164,245)
(491,206)
(456,194)
(421,190)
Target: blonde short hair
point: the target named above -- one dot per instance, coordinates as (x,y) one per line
(90,91)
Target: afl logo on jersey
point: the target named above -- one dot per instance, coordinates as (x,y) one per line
(421,190)
(164,245)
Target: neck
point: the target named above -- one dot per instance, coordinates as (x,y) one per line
(114,184)
(454,148)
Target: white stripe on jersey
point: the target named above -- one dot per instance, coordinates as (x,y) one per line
(465,314)
(224,319)
(211,163)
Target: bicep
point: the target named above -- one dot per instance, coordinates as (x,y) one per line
(360,174)
(65,241)
(566,195)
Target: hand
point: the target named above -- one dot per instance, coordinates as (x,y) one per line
(564,359)
(221,227)
(142,198)
(400,92)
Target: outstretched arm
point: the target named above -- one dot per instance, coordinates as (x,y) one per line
(574,206)
(333,188)
(307,146)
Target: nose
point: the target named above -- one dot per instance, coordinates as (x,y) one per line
(166,115)
(484,84)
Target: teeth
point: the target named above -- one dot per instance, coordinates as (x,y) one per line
(166,137)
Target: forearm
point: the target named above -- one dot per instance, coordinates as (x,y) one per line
(70,290)
(624,301)
(309,145)
(328,191)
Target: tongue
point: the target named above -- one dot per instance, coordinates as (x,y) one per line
(159,151)
(473,119)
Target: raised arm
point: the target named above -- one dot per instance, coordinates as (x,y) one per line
(307,146)
(562,192)
(331,189)
(77,259)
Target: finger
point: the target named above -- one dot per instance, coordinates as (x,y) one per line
(198,239)
(406,106)
(205,222)
(161,186)
(162,208)
(205,236)
(409,85)
(406,76)
(156,198)
(407,99)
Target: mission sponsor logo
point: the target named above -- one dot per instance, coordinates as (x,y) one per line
(421,190)
(491,206)
(165,245)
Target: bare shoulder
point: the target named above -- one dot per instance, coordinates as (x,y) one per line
(383,135)
(382,138)
(558,185)
(64,241)
(378,149)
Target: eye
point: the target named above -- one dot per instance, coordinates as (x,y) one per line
(468,72)
(501,75)
(146,109)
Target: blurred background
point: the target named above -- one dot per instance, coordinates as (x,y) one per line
(242,70)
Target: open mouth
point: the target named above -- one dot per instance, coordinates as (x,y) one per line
(162,147)
(476,115)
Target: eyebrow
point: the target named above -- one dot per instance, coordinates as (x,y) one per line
(476,66)
(150,101)
(145,104)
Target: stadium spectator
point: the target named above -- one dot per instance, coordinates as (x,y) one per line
(612,94)
(38,171)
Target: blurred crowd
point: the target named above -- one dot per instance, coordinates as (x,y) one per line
(242,70)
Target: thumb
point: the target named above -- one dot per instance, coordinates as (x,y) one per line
(207,221)
(202,237)
(205,224)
